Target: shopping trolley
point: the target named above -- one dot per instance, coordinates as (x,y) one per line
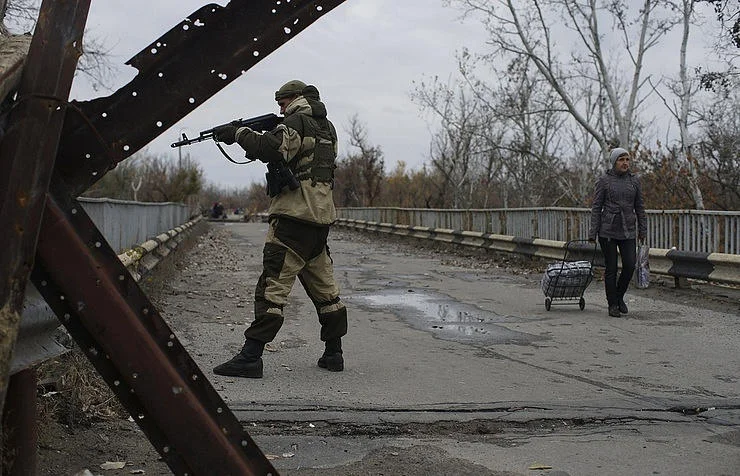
(567,280)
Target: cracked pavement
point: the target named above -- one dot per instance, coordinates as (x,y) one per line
(453,366)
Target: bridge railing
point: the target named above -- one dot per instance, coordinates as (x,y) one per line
(126,223)
(141,232)
(686,230)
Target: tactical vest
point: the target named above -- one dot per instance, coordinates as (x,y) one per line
(320,167)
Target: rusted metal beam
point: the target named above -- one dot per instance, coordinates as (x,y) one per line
(177,73)
(27,154)
(135,351)
(19,425)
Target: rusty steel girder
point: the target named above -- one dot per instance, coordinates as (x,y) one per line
(27,154)
(80,276)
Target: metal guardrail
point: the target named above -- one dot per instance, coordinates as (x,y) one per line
(686,230)
(713,267)
(126,223)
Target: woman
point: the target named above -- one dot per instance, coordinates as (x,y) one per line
(618,218)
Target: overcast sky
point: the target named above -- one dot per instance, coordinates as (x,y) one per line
(370,53)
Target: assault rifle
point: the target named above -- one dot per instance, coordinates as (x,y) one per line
(265,122)
(278,174)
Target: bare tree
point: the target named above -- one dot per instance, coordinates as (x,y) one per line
(20,16)
(528,29)
(367,165)
(454,146)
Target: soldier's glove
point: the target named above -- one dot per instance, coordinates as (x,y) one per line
(225,134)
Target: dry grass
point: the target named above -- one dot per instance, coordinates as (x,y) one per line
(72,392)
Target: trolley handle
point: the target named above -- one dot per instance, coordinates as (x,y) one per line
(572,246)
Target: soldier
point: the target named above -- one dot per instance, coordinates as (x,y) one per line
(300,214)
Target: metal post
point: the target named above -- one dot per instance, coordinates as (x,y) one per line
(19,425)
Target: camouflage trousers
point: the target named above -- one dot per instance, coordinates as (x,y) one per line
(293,250)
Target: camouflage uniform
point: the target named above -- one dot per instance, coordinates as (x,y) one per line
(296,243)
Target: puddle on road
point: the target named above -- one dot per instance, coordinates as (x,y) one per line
(449,319)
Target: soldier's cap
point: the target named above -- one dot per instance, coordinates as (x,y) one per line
(290,89)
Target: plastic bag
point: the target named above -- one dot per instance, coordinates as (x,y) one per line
(643,266)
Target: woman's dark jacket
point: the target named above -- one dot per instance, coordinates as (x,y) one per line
(618,211)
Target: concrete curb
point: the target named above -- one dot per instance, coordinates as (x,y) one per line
(142,258)
(712,267)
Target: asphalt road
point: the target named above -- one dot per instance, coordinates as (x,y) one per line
(453,366)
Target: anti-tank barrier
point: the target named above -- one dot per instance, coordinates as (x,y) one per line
(38,339)
(712,267)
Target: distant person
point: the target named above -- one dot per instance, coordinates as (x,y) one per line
(217,211)
(618,219)
(296,243)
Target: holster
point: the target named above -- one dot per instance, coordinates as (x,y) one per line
(278,176)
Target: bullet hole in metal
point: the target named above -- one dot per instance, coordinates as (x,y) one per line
(286,30)
(134,375)
(154,51)
(116,383)
(98,244)
(166,449)
(295,22)
(255,53)
(93,351)
(67,317)
(74,211)
(95,172)
(61,297)
(87,156)
(126,147)
(198,23)
(191,100)
(159,44)
(177,390)
(121,277)
(170,344)
(274,11)
(245,443)
(141,416)
(134,93)
(105,114)
(319,8)
(159,123)
(160,74)
(226,431)
(254,39)
(222,76)
(186,27)
(195,377)
(219,410)
(43,283)
(145,311)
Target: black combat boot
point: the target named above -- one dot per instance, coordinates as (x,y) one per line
(623,306)
(614,310)
(332,359)
(247,363)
